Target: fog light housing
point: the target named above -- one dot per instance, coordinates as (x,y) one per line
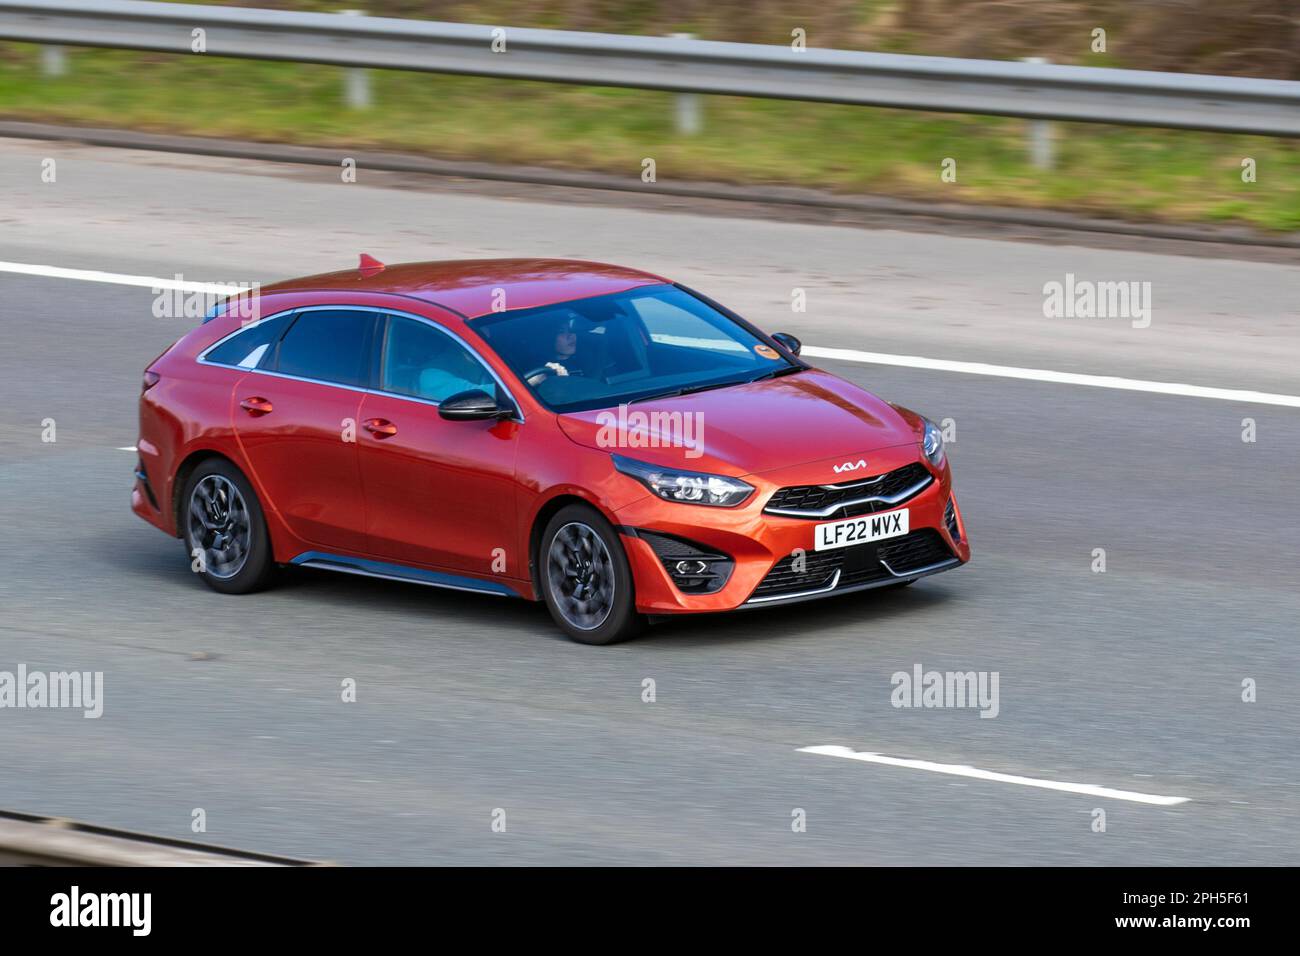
(694,568)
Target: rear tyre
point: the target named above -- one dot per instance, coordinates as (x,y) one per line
(224,529)
(586,580)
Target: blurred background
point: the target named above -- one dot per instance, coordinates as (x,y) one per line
(1131,678)
(1132,173)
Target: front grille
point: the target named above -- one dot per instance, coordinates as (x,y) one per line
(813,501)
(790,576)
(860,565)
(950,519)
(914,551)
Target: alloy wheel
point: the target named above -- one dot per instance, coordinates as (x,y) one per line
(580,572)
(219,525)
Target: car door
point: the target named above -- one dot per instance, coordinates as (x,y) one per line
(438,492)
(295,416)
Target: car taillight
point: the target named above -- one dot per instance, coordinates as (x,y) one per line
(150,380)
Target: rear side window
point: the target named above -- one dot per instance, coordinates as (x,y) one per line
(246,348)
(329,346)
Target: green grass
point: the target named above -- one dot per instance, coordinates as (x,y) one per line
(1113,171)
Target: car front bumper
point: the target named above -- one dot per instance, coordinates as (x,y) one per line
(774,558)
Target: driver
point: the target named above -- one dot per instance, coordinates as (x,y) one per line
(561,358)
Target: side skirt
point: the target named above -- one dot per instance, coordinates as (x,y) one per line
(400,572)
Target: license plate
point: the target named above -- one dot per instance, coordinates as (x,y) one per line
(851,531)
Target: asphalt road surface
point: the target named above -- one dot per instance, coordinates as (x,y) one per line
(1129,679)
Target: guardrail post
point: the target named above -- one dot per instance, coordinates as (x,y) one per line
(688,118)
(356,83)
(54,61)
(1042,133)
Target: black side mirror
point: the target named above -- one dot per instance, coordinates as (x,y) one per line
(472,405)
(788,342)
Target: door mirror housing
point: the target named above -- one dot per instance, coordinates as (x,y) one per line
(472,405)
(788,342)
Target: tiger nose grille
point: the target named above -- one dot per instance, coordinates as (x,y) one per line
(850,499)
(861,565)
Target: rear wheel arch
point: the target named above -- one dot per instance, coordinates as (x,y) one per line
(182,477)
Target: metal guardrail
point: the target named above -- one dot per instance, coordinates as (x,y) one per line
(992,87)
(27,840)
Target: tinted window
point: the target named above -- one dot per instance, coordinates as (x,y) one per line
(422,361)
(331,346)
(247,348)
(609,349)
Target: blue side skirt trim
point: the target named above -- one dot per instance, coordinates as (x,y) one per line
(400,572)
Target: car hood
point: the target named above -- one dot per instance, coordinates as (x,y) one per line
(747,429)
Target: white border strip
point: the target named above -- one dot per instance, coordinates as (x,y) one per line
(960,770)
(1063,378)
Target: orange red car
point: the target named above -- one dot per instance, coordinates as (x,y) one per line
(599,438)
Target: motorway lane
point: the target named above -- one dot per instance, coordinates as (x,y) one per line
(1231,323)
(1129,679)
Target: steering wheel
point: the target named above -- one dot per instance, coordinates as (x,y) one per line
(543,372)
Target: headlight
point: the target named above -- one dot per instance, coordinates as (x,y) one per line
(688,487)
(932,444)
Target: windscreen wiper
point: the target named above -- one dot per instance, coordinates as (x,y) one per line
(777,373)
(686,390)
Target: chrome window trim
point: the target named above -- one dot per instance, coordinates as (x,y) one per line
(203,356)
(894,499)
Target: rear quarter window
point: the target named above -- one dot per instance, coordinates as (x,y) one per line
(248,347)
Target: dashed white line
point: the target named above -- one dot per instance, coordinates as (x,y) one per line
(960,770)
(812,351)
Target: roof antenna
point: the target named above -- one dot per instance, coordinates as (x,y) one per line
(370,265)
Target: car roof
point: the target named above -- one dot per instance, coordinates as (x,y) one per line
(470,286)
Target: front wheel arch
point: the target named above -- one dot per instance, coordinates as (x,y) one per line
(543,517)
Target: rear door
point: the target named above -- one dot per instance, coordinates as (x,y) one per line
(296,417)
(438,492)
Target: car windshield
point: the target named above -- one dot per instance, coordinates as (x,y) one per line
(608,350)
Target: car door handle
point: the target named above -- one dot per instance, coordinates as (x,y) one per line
(257,406)
(380,427)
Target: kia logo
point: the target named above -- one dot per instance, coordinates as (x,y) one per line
(851,466)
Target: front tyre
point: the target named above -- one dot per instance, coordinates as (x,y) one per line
(585,577)
(224,529)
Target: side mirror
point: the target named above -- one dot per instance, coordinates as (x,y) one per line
(472,405)
(788,342)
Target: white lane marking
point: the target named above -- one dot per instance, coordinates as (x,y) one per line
(1062,378)
(128,448)
(114,278)
(814,351)
(960,770)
